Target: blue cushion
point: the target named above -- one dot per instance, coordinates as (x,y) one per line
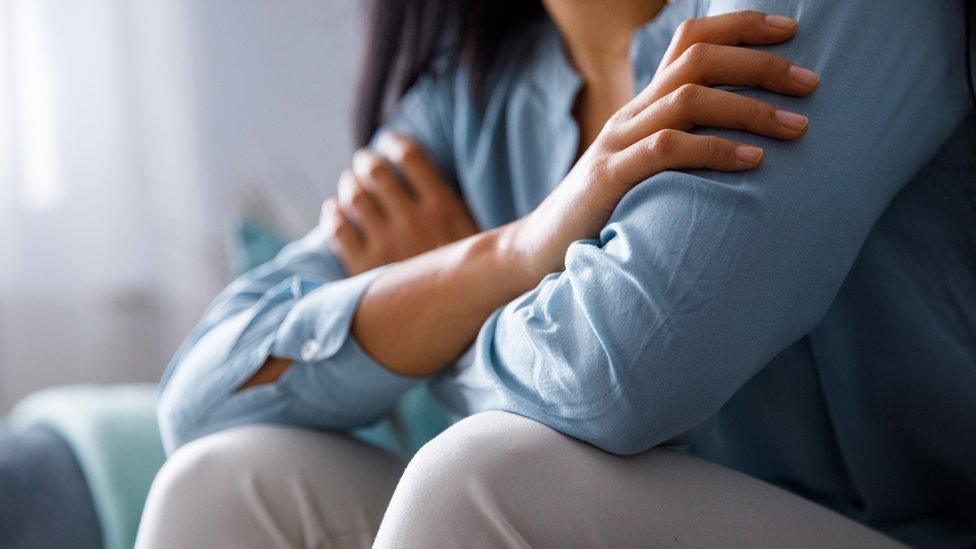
(44,498)
(113,432)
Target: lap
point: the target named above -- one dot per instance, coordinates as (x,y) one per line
(270,486)
(512,481)
(493,479)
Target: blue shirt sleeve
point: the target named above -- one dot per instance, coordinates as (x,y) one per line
(298,306)
(701,278)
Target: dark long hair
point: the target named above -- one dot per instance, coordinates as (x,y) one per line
(405,37)
(971,46)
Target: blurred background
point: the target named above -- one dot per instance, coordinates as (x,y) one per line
(137,141)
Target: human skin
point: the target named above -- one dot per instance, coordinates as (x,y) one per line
(624,140)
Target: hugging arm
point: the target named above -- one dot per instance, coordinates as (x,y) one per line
(292,308)
(274,347)
(700,279)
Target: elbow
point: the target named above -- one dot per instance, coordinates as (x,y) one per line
(191,399)
(630,436)
(621,433)
(627,418)
(616,442)
(177,425)
(184,417)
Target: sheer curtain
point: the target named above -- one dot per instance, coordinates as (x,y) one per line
(129,133)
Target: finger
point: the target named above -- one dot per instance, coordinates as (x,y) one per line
(419,170)
(378,177)
(673,150)
(693,105)
(359,205)
(343,237)
(712,65)
(731,29)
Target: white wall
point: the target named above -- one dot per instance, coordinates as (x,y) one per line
(159,120)
(276,84)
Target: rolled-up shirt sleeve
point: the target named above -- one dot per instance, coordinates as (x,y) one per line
(701,278)
(298,306)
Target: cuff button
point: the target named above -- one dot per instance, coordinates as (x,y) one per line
(309,350)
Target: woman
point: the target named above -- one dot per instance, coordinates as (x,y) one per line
(776,315)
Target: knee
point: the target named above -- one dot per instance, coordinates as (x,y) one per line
(255,485)
(211,460)
(488,460)
(194,482)
(479,449)
(212,489)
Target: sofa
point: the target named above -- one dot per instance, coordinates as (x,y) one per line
(77,462)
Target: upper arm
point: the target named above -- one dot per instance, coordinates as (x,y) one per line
(426,115)
(701,278)
(892,91)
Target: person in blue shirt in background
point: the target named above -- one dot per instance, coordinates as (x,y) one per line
(655,248)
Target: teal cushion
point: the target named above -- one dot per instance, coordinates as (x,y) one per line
(417,418)
(251,244)
(113,433)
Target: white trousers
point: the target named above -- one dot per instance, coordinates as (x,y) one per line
(492,480)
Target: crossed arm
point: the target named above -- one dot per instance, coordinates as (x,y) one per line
(698,279)
(718,271)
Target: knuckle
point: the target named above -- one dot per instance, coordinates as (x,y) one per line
(359,199)
(757,109)
(685,29)
(712,146)
(772,63)
(696,52)
(405,152)
(686,95)
(613,129)
(617,119)
(339,228)
(663,142)
(746,17)
(375,169)
(615,168)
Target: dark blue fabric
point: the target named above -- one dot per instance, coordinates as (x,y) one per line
(44,498)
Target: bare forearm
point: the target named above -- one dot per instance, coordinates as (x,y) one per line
(424,312)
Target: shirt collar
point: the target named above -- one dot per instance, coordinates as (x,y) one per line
(554,78)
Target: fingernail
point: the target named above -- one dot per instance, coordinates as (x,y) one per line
(748,154)
(804,77)
(791,120)
(780,22)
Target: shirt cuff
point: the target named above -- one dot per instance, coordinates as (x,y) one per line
(315,334)
(318,325)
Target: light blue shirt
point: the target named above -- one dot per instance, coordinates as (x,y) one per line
(817,315)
